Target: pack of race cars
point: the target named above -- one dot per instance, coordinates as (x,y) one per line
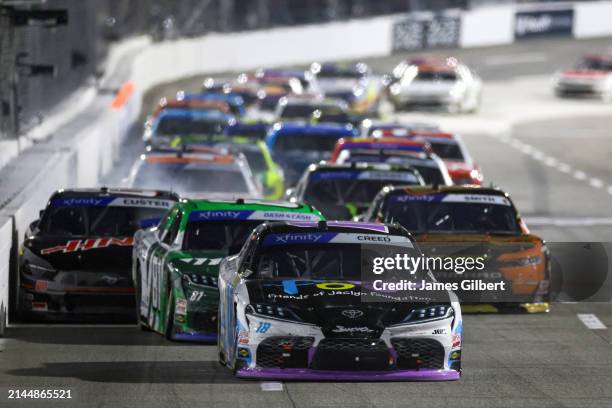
(249,216)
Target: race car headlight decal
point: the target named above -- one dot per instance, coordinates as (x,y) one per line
(201,280)
(424,314)
(274,311)
(528,261)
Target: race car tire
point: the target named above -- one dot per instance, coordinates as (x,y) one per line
(137,291)
(170,316)
(221,357)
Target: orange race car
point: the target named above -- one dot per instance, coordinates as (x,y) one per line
(477,223)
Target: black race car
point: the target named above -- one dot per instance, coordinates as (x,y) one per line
(76,258)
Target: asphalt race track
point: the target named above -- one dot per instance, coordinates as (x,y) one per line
(553,156)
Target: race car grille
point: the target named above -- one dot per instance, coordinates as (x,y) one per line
(418,353)
(352,354)
(202,321)
(284,352)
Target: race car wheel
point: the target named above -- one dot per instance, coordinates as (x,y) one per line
(141,322)
(170,317)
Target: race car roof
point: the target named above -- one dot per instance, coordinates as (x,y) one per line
(331,226)
(115,192)
(248,209)
(180,157)
(194,114)
(357,166)
(307,129)
(430,190)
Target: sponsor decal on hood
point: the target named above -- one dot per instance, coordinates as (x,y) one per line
(88,244)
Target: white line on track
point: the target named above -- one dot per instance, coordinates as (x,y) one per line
(552,162)
(591,321)
(271,386)
(579,175)
(521,58)
(597,183)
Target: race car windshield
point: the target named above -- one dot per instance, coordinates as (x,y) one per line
(99,221)
(181,179)
(187,126)
(469,218)
(445,150)
(339,192)
(341,74)
(326,262)
(596,64)
(436,76)
(256,160)
(298,111)
(226,235)
(431,174)
(317,143)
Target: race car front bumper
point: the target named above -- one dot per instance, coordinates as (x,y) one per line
(78,304)
(329,375)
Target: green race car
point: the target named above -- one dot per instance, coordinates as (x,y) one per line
(176,264)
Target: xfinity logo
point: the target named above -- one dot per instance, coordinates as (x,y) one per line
(220,214)
(352,314)
(82,201)
(342,329)
(529,24)
(291,238)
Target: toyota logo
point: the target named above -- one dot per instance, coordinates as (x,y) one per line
(352,314)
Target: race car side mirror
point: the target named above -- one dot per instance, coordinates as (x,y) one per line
(245,272)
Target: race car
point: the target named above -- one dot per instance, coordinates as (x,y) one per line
(592,76)
(353,83)
(474,221)
(376,144)
(75,260)
(257,154)
(173,122)
(343,191)
(430,166)
(453,151)
(291,109)
(175,265)
(298,303)
(235,102)
(435,82)
(248,128)
(371,128)
(212,174)
(296,145)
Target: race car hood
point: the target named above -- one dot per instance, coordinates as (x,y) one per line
(91,254)
(495,248)
(339,308)
(199,262)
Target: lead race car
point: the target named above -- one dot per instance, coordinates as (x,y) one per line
(75,259)
(295,304)
(175,265)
